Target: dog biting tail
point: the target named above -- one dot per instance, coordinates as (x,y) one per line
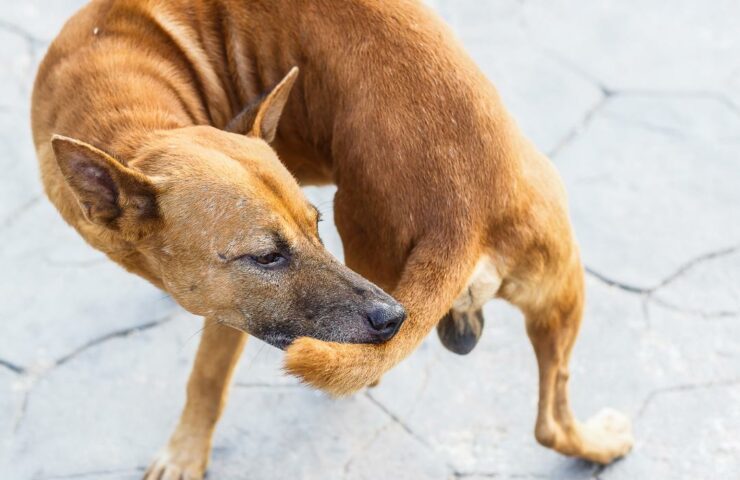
(432,278)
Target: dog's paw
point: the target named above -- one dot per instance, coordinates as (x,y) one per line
(336,368)
(607,436)
(177,465)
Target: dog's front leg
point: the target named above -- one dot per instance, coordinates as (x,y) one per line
(186,455)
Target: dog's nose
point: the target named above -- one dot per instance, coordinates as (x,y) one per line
(385,319)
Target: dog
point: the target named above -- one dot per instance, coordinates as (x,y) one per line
(163,143)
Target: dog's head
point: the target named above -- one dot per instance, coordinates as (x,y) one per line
(227,230)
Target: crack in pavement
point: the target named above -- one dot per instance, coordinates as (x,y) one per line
(608,91)
(608,94)
(12,367)
(32,376)
(364,446)
(651,396)
(33,47)
(595,471)
(124,332)
(580,126)
(718,96)
(614,283)
(674,133)
(678,273)
(16,214)
(96,473)
(21,32)
(75,263)
(576,69)
(246,385)
(497,475)
(419,439)
(686,267)
(650,294)
(22,411)
(693,311)
(396,419)
(560,59)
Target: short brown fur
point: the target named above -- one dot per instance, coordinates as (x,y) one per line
(432,174)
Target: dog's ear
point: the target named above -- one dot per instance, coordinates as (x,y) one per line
(109,193)
(260,119)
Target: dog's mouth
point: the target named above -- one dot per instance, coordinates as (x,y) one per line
(277,340)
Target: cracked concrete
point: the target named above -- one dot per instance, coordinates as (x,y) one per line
(640,114)
(125,332)
(652,294)
(11,366)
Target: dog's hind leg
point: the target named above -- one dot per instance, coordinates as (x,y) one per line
(186,454)
(553,316)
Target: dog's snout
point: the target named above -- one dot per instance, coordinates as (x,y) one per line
(385,319)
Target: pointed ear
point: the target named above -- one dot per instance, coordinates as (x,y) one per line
(109,193)
(260,119)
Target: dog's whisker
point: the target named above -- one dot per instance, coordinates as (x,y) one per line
(256,356)
(199,331)
(185,343)
(326,206)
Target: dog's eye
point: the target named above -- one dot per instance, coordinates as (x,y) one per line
(268,260)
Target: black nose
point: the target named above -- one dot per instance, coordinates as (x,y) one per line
(385,319)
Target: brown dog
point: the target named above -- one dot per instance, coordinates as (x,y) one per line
(440,199)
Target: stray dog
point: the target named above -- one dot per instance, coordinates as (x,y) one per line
(152,120)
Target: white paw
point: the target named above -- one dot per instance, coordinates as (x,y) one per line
(175,466)
(609,434)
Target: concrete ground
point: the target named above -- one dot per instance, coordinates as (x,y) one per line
(637,103)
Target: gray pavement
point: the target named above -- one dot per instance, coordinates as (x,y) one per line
(637,101)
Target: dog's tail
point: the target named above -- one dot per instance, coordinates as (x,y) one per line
(432,278)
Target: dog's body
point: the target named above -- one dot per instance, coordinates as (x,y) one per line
(440,200)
